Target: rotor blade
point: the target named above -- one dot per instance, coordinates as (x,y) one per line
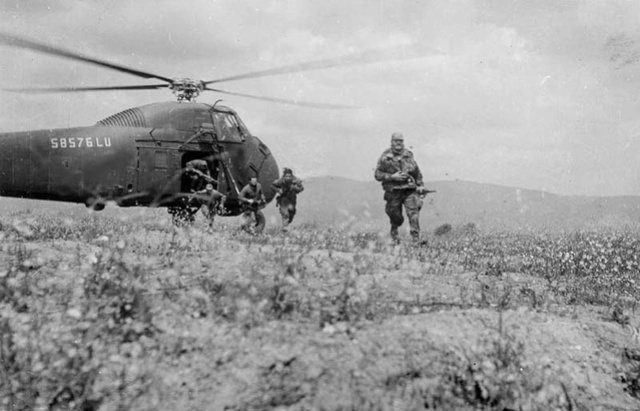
(366,57)
(283,101)
(74,89)
(11,40)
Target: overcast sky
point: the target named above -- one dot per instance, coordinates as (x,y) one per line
(533,94)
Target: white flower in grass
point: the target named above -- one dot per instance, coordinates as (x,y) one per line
(23,228)
(74,313)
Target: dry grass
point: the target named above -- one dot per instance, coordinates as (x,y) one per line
(123,311)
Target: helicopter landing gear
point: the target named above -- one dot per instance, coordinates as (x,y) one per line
(183,215)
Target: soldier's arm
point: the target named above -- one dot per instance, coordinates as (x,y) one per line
(243,193)
(207,177)
(381,175)
(277,185)
(298,187)
(216,196)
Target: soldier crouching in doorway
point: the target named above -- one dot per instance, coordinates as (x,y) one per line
(199,175)
(288,187)
(402,183)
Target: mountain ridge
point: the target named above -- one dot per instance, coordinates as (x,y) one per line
(347,202)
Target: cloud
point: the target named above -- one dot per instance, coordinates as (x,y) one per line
(521,93)
(34,7)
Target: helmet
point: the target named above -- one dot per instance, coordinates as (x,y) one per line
(287,171)
(209,187)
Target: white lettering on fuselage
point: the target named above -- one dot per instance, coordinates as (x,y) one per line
(79,142)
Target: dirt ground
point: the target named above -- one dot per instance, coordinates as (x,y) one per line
(293,366)
(434,339)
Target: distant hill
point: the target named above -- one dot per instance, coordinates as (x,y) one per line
(341,201)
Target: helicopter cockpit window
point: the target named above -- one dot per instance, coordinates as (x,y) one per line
(228,128)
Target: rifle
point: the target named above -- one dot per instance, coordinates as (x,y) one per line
(252,204)
(422,192)
(411,184)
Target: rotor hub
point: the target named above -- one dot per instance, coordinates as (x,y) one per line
(186,89)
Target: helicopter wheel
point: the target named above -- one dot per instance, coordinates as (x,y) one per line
(183,215)
(254,223)
(260,222)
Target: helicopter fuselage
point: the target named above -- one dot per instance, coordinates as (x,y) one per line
(136,157)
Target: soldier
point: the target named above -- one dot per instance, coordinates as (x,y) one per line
(212,202)
(199,176)
(198,164)
(288,187)
(253,199)
(402,183)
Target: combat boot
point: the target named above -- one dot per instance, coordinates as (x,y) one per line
(285,224)
(394,234)
(417,242)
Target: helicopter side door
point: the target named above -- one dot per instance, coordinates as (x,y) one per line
(157,171)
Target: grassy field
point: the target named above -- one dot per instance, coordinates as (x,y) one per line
(119,310)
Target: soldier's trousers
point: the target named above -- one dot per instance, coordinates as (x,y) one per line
(412,204)
(287,207)
(253,221)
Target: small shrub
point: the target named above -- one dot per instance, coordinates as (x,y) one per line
(492,374)
(72,357)
(470,229)
(631,375)
(442,230)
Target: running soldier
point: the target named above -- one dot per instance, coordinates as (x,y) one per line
(211,202)
(402,183)
(287,187)
(253,200)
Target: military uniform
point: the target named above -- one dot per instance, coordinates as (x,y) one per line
(198,164)
(288,187)
(401,193)
(198,171)
(212,202)
(253,198)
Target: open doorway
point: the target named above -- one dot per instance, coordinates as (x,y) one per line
(199,169)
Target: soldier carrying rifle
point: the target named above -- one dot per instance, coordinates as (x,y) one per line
(403,186)
(288,187)
(253,200)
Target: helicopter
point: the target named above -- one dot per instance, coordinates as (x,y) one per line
(140,156)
